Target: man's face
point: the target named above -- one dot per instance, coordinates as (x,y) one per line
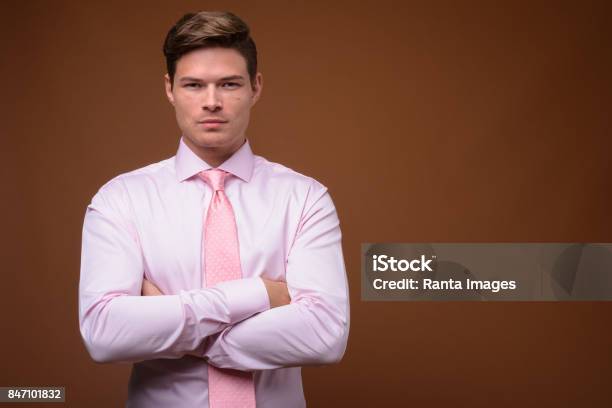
(212,96)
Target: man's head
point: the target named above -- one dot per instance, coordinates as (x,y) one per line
(212,76)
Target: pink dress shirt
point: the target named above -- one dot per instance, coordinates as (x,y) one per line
(148,223)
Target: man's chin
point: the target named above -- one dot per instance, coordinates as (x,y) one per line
(213,140)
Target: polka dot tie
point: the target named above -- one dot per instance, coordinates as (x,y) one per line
(226,388)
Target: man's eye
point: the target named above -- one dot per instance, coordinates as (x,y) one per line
(230,85)
(193,85)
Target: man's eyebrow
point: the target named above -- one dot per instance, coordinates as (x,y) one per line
(190,79)
(227,78)
(231,78)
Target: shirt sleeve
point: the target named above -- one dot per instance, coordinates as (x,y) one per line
(313,328)
(117,324)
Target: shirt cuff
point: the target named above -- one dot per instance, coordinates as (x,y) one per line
(245,297)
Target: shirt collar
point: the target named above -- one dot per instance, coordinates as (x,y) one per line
(187,164)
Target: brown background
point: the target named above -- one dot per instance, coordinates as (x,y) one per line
(445,122)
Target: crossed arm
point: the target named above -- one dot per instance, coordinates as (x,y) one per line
(247,324)
(277,291)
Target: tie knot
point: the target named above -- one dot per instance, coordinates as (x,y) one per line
(214,178)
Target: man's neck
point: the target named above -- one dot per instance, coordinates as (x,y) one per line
(215,156)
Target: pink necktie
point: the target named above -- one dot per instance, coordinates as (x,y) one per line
(226,388)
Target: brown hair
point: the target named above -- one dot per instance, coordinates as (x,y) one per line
(209,29)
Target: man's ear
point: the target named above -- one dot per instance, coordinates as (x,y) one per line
(169,89)
(257,87)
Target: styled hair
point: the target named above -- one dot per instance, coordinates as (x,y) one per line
(208,29)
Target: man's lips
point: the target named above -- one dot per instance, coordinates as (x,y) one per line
(212,123)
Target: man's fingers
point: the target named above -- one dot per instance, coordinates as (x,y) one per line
(149,289)
(277,292)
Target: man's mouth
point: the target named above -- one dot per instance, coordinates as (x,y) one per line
(212,123)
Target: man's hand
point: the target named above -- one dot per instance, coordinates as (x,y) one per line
(149,289)
(277,292)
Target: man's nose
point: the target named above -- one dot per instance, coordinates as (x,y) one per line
(212,99)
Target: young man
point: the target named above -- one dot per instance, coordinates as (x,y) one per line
(243,254)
